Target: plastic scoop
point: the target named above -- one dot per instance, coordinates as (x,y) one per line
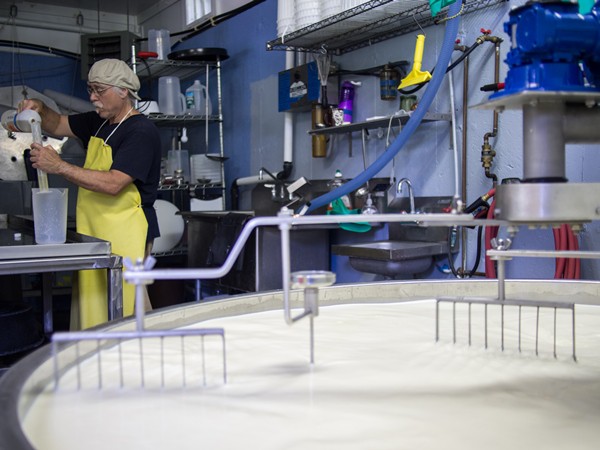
(416,75)
(28,121)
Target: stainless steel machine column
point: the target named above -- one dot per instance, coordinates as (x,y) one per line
(543,141)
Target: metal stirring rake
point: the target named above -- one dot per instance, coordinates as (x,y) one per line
(501,303)
(72,348)
(501,254)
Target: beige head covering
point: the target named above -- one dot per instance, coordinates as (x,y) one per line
(115,72)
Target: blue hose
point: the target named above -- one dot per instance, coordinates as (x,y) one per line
(412,124)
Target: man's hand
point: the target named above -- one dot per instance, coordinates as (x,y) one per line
(34,104)
(46,159)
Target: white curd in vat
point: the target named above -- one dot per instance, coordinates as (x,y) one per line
(380,381)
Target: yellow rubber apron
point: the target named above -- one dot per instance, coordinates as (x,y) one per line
(118,219)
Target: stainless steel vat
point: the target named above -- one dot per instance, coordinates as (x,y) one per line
(26,380)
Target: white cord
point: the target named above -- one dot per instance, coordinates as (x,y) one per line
(387,144)
(454,143)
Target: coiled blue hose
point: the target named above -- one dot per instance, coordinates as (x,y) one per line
(410,126)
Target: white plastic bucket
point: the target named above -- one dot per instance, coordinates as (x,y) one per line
(307,12)
(50,215)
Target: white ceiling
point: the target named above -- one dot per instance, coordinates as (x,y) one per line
(131,7)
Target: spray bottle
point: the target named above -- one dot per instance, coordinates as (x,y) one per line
(346,102)
(335,183)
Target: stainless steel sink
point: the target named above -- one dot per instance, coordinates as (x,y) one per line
(392,250)
(438,204)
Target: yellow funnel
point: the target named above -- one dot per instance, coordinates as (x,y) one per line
(416,76)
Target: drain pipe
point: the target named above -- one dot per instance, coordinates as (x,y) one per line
(410,127)
(288,130)
(288,152)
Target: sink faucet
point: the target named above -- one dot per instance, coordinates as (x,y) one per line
(411,194)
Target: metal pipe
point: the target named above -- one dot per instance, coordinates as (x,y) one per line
(220,107)
(463,170)
(411,194)
(487,152)
(286,270)
(463,231)
(218,272)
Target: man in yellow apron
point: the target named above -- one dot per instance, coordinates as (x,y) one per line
(118,182)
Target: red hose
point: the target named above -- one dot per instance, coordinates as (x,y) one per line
(572,262)
(577,261)
(490,233)
(565,240)
(559,266)
(570,265)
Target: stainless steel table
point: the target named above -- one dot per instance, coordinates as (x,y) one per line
(19,254)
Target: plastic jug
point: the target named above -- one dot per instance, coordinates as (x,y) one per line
(170,99)
(197,99)
(50,215)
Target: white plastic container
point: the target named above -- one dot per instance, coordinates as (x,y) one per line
(50,215)
(179,160)
(331,8)
(205,168)
(197,100)
(15,121)
(307,12)
(159,41)
(286,21)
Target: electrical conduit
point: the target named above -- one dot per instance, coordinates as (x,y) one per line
(410,127)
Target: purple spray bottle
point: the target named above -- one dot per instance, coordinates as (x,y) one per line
(347,99)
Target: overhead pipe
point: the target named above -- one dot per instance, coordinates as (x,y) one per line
(408,129)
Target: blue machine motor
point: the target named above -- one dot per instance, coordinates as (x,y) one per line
(554,48)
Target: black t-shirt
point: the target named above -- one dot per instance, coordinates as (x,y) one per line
(136,151)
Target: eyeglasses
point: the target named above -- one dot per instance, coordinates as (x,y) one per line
(92,90)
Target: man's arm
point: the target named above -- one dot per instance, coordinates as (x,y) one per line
(110,182)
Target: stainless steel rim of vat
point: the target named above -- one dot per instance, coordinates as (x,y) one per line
(25,380)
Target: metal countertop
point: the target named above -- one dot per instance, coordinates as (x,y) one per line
(77,244)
